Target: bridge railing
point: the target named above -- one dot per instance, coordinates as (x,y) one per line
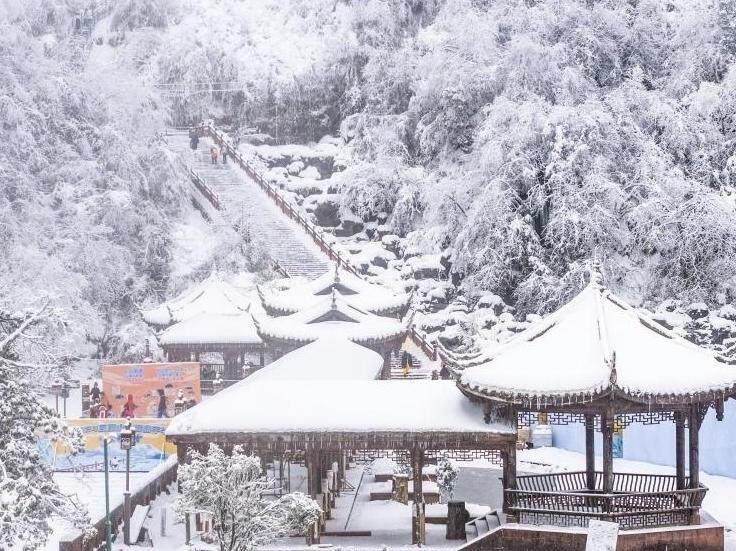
(429,348)
(278,198)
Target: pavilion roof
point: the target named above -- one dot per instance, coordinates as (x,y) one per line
(331,317)
(597,345)
(328,358)
(212,296)
(302,406)
(349,287)
(207,328)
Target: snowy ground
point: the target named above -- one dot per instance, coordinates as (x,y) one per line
(89,491)
(479,483)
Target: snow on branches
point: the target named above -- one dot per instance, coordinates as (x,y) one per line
(232,490)
(29,497)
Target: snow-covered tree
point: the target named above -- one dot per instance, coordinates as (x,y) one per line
(232,489)
(29,497)
(447,473)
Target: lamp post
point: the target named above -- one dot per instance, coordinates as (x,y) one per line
(108,524)
(127,442)
(179,404)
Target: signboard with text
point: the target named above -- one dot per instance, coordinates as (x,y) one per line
(150,450)
(149,389)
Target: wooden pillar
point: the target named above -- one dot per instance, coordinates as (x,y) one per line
(694,441)
(313,480)
(680,449)
(418,535)
(509,480)
(607,430)
(590,452)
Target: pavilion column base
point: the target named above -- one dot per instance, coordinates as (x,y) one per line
(418,524)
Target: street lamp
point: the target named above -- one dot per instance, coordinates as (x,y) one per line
(127,442)
(179,404)
(108,523)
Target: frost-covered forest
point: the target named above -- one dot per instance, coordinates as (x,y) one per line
(519,139)
(513,140)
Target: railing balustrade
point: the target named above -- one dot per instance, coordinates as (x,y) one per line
(638,500)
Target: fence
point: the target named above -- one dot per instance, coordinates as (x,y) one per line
(429,348)
(638,500)
(161,478)
(277,197)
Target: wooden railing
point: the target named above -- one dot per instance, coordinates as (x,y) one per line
(278,197)
(638,500)
(202,187)
(159,481)
(429,348)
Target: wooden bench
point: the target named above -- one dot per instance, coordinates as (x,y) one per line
(136,522)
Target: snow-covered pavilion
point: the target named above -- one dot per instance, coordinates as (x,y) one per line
(599,361)
(376,299)
(332,317)
(321,421)
(232,338)
(211,296)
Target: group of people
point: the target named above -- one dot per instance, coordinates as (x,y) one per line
(215,152)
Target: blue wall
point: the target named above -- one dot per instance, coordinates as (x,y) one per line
(656,443)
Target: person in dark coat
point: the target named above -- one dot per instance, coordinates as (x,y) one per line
(161,404)
(94,393)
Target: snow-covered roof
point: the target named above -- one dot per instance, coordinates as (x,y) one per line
(260,407)
(597,344)
(331,317)
(329,358)
(208,328)
(212,296)
(354,290)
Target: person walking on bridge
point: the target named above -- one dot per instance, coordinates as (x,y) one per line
(213,154)
(224,155)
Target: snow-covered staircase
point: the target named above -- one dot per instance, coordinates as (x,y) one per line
(240,198)
(482,525)
(416,371)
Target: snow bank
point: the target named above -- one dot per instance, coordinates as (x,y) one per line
(329,358)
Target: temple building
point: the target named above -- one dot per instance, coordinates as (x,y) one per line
(375,299)
(224,344)
(332,316)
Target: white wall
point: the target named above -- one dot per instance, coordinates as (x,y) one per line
(656,443)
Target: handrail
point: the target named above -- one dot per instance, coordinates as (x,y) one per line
(278,198)
(637,500)
(429,348)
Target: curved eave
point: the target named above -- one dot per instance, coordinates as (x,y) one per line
(612,394)
(212,344)
(312,338)
(279,310)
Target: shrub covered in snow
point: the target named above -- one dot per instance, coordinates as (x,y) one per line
(232,490)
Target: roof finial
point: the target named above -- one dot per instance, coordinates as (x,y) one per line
(334,300)
(337,273)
